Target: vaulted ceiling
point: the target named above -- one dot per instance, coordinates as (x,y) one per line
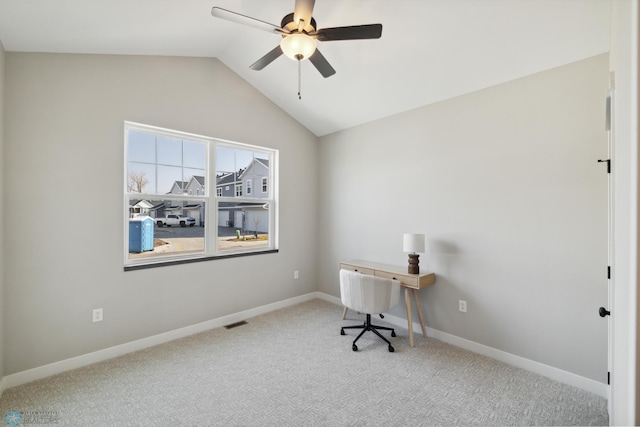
(430,50)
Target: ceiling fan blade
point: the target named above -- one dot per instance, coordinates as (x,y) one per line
(303,9)
(228,15)
(354,32)
(321,64)
(267,59)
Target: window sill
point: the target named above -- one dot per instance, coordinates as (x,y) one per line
(191,260)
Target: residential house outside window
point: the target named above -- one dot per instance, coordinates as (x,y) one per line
(170,214)
(248,215)
(265,187)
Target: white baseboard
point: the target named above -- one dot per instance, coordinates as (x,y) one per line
(24,377)
(556,374)
(3,385)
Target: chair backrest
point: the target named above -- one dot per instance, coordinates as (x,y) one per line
(368,294)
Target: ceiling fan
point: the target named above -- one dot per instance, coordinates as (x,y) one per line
(299,33)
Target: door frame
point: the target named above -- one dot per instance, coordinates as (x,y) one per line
(623,57)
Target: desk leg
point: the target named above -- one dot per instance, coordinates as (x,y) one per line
(344,313)
(407,297)
(419,308)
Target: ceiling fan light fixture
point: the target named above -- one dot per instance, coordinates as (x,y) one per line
(298,46)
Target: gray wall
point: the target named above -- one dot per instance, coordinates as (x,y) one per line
(502,181)
(505,185)
(64,196)
(2,223)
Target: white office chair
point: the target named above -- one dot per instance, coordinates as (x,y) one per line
(369,295)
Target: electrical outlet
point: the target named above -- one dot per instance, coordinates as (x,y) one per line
(462,306)
(296,274)
(97,315)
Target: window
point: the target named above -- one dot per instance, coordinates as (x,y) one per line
(168,174)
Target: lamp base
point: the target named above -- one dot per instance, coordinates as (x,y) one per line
(414,268)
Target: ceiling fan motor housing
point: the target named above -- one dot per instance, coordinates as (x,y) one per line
(289,25)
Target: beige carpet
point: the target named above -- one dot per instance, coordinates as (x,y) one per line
(292,367)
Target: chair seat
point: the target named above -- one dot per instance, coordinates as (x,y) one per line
(370,295)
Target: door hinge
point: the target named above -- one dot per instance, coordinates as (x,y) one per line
(608,161)
(608,272)
(607,119)
(608,378)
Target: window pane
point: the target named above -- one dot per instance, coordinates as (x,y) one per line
(141,146)
(244,168)
(141,178)
(195,180)
(169,150)
(165,227)
(243,225)
(195,154)
(170,180)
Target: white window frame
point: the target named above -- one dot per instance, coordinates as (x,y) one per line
(248,187)
(210,201)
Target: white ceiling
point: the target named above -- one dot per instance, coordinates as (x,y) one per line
(430,50)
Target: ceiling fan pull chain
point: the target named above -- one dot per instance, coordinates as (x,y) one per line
(299,79)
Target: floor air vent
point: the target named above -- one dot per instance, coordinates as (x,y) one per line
(235,325)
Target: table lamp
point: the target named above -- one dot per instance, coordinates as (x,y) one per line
(413,243)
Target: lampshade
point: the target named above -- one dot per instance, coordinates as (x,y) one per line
(298,44)
(413,243)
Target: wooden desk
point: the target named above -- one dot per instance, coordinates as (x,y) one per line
(410,282)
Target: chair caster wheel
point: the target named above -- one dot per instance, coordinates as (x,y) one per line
(354,347)
(342,332)
(393,333)
(391,349)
